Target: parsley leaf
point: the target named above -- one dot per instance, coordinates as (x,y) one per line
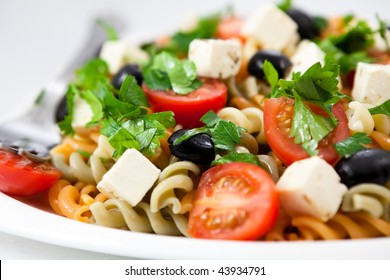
(66,124)
(110,31)
(131,93)
(319,86)
(285,5)
(89,75)
(308,128)
(271,74)
(237,157)
(384,108)
(352,144)
(167,72)
(224,134)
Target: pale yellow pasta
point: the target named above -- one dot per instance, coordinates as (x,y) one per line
(101,159)
(372,198)
(118,214)
(249,118)
(382,123)
(359,118)
(173,179)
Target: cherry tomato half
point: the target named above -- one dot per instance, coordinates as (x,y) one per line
(21,176)
(230,28)
(189,108)
(278,114)
(234,201)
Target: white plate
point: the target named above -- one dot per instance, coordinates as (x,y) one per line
(40,58)
(27,221)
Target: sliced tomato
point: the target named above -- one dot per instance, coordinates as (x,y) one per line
(189,108)
(230,28)
(234,201)
(21,176)
(278,114)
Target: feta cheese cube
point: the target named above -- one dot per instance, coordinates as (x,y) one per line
(311,187)
(215,58)
(82,114)
(131,177)
(270,27)
(371,83)
(307,54)
(117,53)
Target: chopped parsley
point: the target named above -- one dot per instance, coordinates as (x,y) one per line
(384,109)
(319,86)
(237,157)
(167,72)
(111,33)
(350,47)
(352,144)
(224,134)
(120,114)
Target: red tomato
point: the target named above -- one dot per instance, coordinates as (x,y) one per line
(22,177)
(278,114)
(189,108)
(234,201)
(230,28)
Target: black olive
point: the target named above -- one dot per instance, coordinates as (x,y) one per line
(278,60)
(366,166)
(62,110)
(128,69)
(198,149)
(306,25)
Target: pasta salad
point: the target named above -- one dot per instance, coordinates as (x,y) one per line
(272,127)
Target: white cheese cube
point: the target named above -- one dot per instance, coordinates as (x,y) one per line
(215,58)
(131,177)
(117,53)
(311,187)
(270,27)
(306,55)
(371,83)
(82,114)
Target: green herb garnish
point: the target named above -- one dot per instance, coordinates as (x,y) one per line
(224,134)
(167,72)
(352,144)
(384,109)
(285,5)
(40,97)
(319,86)
(120,114)
(111,33)
(237,157)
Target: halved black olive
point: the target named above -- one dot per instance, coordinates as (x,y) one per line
(198,149)
(281,63)
(127,70)
(307,28)
(366,166)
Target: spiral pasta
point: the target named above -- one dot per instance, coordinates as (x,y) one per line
(249,118)
(372,198)
(342,226)
(359,118)
(173,179)
(117,213)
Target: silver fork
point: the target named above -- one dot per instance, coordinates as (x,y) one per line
(38,124)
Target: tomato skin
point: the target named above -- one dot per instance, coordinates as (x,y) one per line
(230,28)
(20,176)
(284,147)
(248,194)
(189,108)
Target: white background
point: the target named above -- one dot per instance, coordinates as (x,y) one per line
(38,38)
